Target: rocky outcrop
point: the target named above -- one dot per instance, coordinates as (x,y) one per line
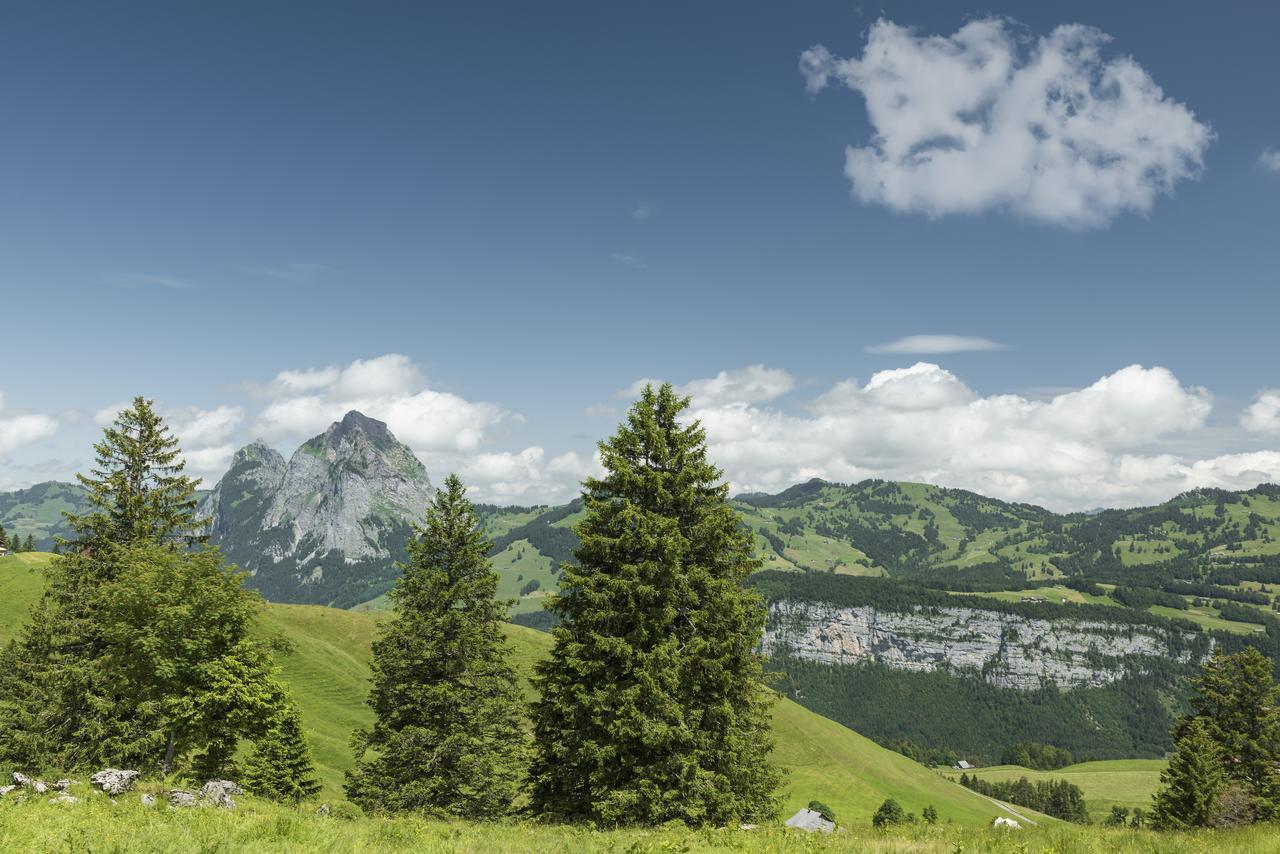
(1005,649)
(114,781)
(328,525)
(214,793)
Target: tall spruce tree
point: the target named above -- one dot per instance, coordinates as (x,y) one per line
(139,652)
(1190,786)
(651,705)
(449,731)
(1237,701)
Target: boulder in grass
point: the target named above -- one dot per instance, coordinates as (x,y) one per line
(1006,823)
(62,785)
(25,782)
(182,798)
(113,781)
(218,793)
(148,800)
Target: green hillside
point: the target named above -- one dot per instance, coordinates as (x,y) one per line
(328,669)
(1120,782)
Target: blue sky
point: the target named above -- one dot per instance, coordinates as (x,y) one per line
(534,205)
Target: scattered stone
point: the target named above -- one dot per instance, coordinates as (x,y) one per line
(113,781)
(64,798)
(62,785)
(218,793)
(4,790)
(323,810)
(1007,823)
(37,786)
(148,800)
(181,798)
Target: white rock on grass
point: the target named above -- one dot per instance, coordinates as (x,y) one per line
(37,786)
(64,798)
(1006,823)
(147,800)
(181,798)
(218,793)
(113,781)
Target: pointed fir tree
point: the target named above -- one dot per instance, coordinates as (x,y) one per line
(1191,784)
(449,731)
(651,705)
(137,490)
(281,767)
(29,544)
(1237,701)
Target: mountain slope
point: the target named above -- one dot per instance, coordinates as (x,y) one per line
(328,672)
(328,525)
(37,511)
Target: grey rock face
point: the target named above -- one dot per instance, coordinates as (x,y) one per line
(218,793)
(4,790)
(327,525)
(113,781)
(62,785)
(1007,650)
(181,798)
(147,800)
(25,782)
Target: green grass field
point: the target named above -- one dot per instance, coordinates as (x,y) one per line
(1118,782)
(328,671)
(97,825)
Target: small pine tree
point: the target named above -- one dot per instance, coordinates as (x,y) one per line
(651,707)
(448,735)
(29,545)
(930,814)
(1192,782)
(281,767)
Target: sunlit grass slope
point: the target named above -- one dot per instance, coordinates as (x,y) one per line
(1114,782)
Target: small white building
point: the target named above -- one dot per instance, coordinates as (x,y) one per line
(811,820)
(962,765)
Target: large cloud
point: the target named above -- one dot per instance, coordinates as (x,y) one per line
(1263,415)
(973,122)
(1104,445)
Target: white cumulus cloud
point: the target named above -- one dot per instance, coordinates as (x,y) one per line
(1102,445)
(1263,415)
(975,121)
(1269,159)
(19,430)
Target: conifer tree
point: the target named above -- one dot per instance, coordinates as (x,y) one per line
(4,538)
(1237,702)
(651,704)
(137,489)
(1191,784)
(29,545)
(448,735)
(281,767)
(139,652)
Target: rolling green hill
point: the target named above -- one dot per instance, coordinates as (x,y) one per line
(328,670)
(1119,782)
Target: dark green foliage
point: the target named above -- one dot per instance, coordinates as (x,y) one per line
(947,715)
(1190,786)
(930,814)
(137,489)
(530,586)
(29,544)
(888,814)
(554,541)
(138,654)
(931,756)
(1119,817)
(1058,798)
(281,767)
(1032,754)
(1144,597)
(822,809)
(651,705)
(1236,704)
(448,735)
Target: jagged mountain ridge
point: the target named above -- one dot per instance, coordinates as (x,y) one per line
(328,525)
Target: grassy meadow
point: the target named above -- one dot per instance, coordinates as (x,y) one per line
(1113,782)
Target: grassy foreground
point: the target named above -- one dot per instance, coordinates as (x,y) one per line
(97,825)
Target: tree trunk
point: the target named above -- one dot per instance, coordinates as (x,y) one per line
(168,756)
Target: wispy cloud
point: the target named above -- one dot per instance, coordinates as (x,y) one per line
(644,210)
(294,271)
(628,259)
(150,280)
(1269,159)
(934,344)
